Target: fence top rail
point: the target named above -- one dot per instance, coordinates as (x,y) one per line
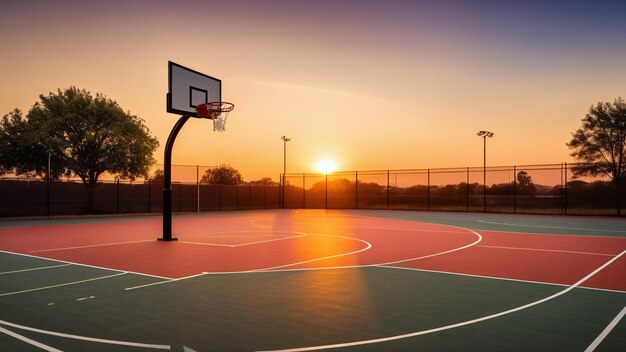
(473,169)
(553,166)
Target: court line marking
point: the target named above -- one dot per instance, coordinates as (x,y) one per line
(606,331)
(480,238)
(369,228)
(499,278)
(152,240)
(302,234)
(163,282)
(429,221)
(85,265)
(85,338)
(549,250)
(59,285)
(549,227)
(456,325)
(207,244)
(227,233)
(352,266)
(29,341)
(408,268)
(38,268)
(368,246)
(617,238)
(90,246)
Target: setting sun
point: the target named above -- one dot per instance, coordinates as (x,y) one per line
(326,166)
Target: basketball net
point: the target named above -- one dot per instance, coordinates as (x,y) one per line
(216,111)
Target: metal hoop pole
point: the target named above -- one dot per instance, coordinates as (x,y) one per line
(167,181)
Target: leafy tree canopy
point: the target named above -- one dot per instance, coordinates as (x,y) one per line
(223,174)
(83,135)
(265,181)
(525,183)
(158,176)
(600,142)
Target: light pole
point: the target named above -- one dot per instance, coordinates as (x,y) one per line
(484,135)
(285,140)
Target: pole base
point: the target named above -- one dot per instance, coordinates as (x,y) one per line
(167,239)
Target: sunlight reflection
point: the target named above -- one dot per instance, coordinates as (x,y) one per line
(327,298)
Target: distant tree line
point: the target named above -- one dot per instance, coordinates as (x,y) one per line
(224,174)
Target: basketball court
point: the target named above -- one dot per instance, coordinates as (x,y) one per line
(301,280)
(306,280)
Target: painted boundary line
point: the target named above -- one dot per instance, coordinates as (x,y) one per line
(85,265)
(273,269)
(368,246)
(356,227)
(549,227)
(90,246)
(549,250)
(606,331)
(59,285)
(453,326)
(86,338)
(499,278)
(163,282)
(552,234)
(28,341)
(300,234)
(38,268)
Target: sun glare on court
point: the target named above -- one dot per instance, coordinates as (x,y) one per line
(326,166)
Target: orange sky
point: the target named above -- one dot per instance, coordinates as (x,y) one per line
(389,86)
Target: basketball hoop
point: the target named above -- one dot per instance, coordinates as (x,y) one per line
(216,111)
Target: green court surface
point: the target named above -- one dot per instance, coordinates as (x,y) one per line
(69,307)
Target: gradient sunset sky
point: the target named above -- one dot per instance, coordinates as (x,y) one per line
(368,84)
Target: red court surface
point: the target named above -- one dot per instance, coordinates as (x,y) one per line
(258,242)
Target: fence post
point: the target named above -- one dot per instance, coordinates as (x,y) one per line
(237,195)
(326,197)
(48,195)
(467,192)
(249,196)
(265,196)
(514,189)
(388,189)
(198,187)
(565,189)
(561,192)
(180,197)
(303,191)
(220,197)
(428,192)
(149,195)
(356,190)
(117,196)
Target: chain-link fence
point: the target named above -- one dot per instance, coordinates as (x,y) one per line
(23,196)
(529,189)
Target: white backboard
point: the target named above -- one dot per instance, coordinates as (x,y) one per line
(189,88)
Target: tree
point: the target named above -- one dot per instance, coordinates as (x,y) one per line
(525,184)
(223,174)
(600,144)
(158,176)
(24,152)
(265,181)
(84,135)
